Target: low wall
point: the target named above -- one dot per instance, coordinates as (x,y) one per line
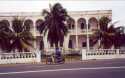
(19,57)
(103,54)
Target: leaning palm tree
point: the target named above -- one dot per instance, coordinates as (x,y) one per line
(22,38)
(53,25)
(5,36)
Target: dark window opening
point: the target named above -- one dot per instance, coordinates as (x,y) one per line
(70,44)
(51,45)
(89,26)
(82,25)
(61,44)
(69,25)
(83,44)
(41,45)
(73,26)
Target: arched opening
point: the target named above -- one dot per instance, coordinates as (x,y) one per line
(40,42)
(93,23)
(5,23)
(82,41)
(72,42)
(81,23)
(38,24)
(71,23)
(28,24)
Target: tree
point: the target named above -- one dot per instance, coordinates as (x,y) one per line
(119,37)
(5,36)
(22,38)
(109,35)
(53,25)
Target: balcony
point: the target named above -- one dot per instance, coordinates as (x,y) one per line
(72,31)
(84,31)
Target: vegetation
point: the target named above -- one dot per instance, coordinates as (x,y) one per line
(22,39)
(5,36)
(110,36)
(18,38)
(53,25)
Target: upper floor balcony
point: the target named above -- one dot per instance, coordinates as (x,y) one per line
(81,26)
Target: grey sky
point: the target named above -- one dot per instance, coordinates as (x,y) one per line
(117,7)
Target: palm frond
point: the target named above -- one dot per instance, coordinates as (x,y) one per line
(45,12)
(53,25)
(23,37)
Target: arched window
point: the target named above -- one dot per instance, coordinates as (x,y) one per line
(82,26)
(81,23)
(38,24)
(71,23)
(5,23)
(93,23)
(28,24)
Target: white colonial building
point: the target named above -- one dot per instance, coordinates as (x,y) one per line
(82,27)
(81,24)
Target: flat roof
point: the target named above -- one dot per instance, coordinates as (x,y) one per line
(10,14)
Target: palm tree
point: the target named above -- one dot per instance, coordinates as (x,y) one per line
(22,38)
(53,25)
(5,36)
(109,35)
(119,37)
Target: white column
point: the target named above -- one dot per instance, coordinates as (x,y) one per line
(84,56)
(66,41)
(34,33)
(99,41)
(76,33)
(117,51)
(87,36)
(38,56)
(46,43)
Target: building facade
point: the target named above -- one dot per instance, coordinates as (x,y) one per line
(81,25)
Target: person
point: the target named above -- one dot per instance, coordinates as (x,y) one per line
(53,58)
(58,52)
(49,59)
(58,56)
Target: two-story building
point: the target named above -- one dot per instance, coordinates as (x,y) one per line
(81,25)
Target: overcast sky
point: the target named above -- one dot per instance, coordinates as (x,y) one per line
(117,7)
